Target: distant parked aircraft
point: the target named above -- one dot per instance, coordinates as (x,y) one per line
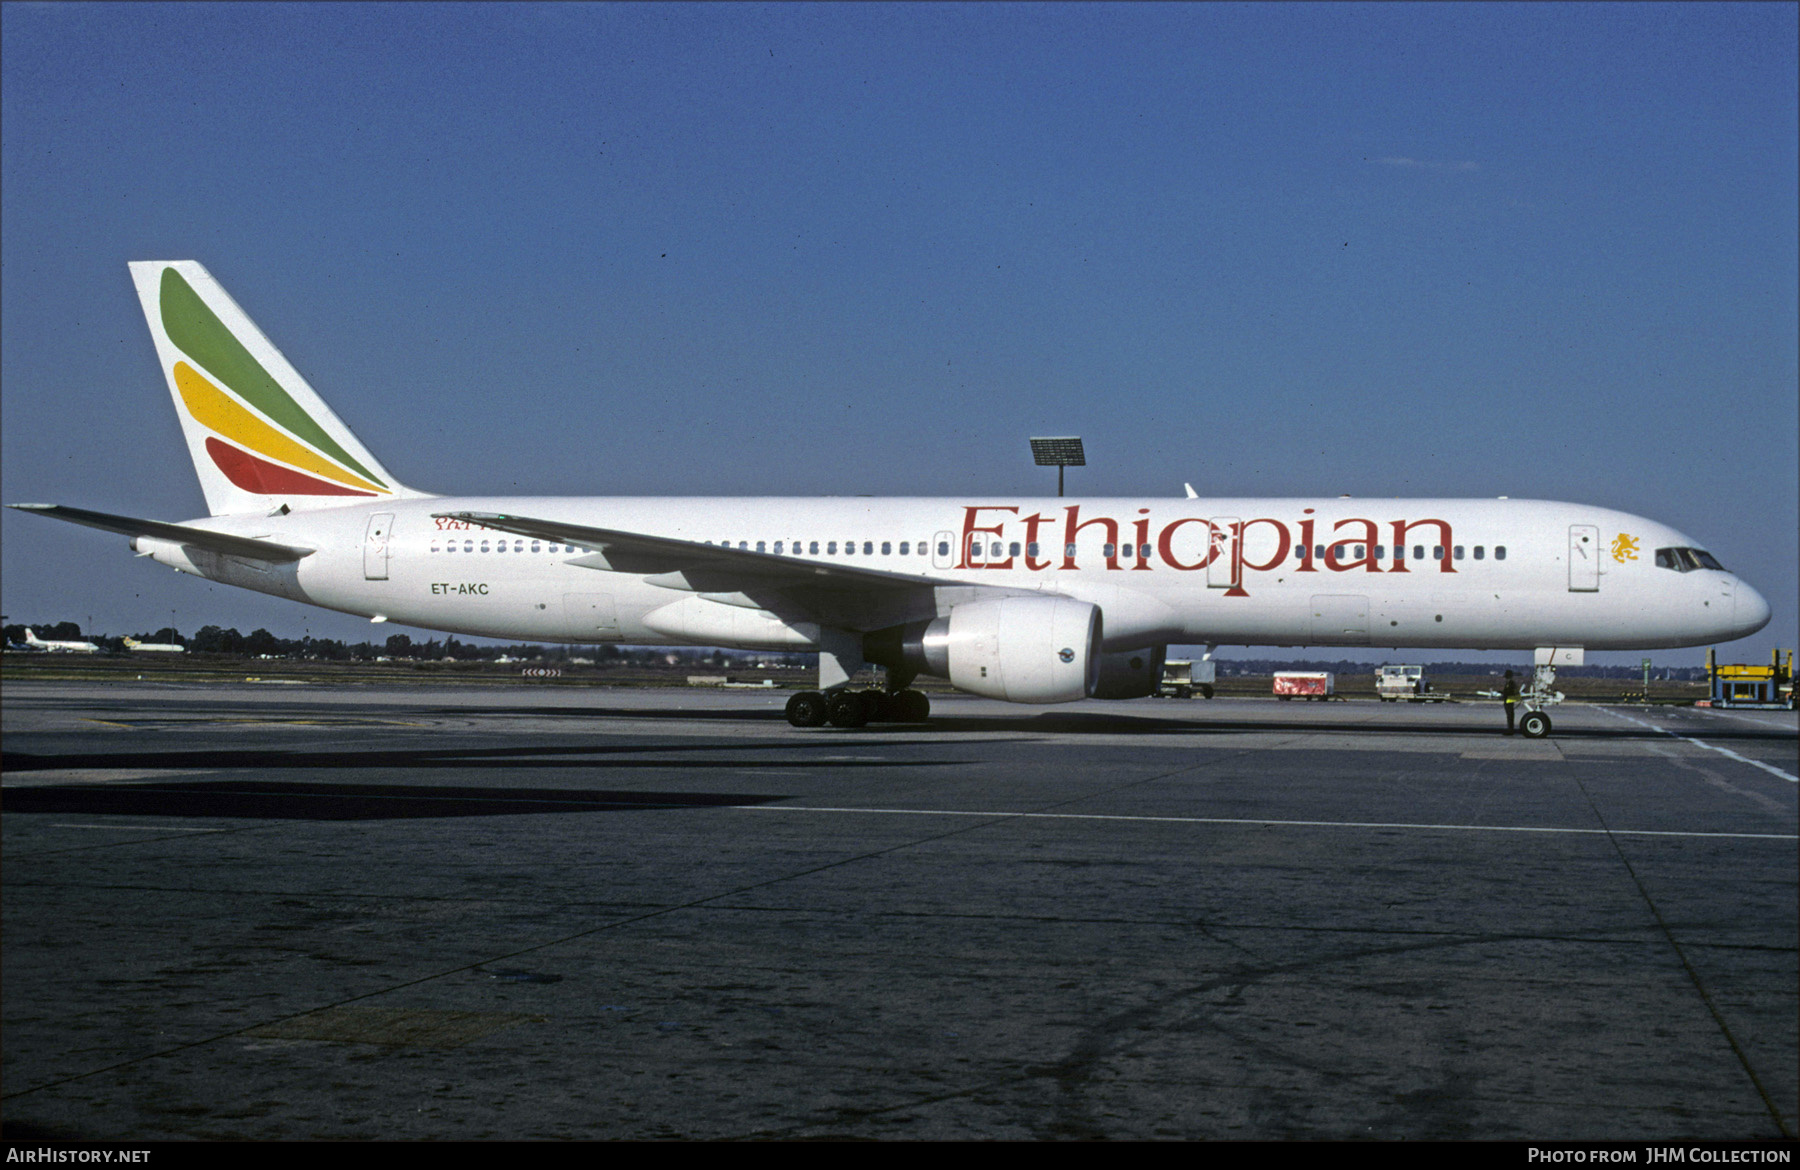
(138,647)
(33,642)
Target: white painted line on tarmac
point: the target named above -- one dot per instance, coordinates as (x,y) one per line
(1769,768)
(1262,821)
(1770,720)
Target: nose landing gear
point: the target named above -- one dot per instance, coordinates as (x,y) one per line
(1535,723)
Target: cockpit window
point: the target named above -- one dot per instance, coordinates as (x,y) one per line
(1686,560)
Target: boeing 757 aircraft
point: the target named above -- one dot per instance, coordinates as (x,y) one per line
(1027,600)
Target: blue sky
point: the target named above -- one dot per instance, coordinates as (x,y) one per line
(1528,250)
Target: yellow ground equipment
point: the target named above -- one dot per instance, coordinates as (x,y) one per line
(1768,687)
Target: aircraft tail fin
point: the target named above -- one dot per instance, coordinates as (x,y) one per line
(259,436)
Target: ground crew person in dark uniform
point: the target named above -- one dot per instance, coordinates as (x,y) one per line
(1509,694)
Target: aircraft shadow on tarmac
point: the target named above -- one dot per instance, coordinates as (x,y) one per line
(353,800)
(286,800)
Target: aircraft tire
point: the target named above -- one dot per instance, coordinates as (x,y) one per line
(911,707)
(807,709)
(1534,725)
(846,709)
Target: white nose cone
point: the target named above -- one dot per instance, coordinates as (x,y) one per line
(1750,612)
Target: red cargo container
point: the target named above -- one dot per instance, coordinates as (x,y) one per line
(1305,683)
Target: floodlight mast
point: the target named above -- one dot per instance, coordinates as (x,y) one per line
(1058,453)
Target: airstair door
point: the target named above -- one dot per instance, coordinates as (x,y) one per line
(1584,558)
(375,546)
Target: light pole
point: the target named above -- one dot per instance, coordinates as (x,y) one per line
(1058,453)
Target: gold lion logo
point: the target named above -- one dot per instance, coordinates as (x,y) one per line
(1624,548)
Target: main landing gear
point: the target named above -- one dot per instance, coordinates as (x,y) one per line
(847,708)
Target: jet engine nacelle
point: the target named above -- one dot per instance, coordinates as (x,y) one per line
(1021,649)
(1131,674)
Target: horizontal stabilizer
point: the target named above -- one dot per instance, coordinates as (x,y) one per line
(219,542)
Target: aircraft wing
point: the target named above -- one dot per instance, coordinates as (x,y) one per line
(843,595)
(220,542)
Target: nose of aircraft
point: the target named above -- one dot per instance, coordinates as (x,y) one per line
(1750,612)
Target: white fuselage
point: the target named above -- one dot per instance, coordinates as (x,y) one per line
(1477,574)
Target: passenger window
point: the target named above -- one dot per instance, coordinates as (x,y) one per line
(943,548)
(484,546)
(537,546)
(1458,552)
(1480,552)
(1318,552)
(1418,552)
(813,548)
(904,545)
(1069,551)
(778,548)
(1437,552)
(1381,552)
(1106,550)
(1031,549)
(831,548)
(886,549)
(1499,552)
(1012,550)
(1357,552)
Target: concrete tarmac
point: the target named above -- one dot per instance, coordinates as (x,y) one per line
(295,912)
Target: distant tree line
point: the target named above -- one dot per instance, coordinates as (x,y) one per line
(226,640)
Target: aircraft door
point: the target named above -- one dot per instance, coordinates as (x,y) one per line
(943,550)
(1225,564)
(1584,558)
(375,546)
